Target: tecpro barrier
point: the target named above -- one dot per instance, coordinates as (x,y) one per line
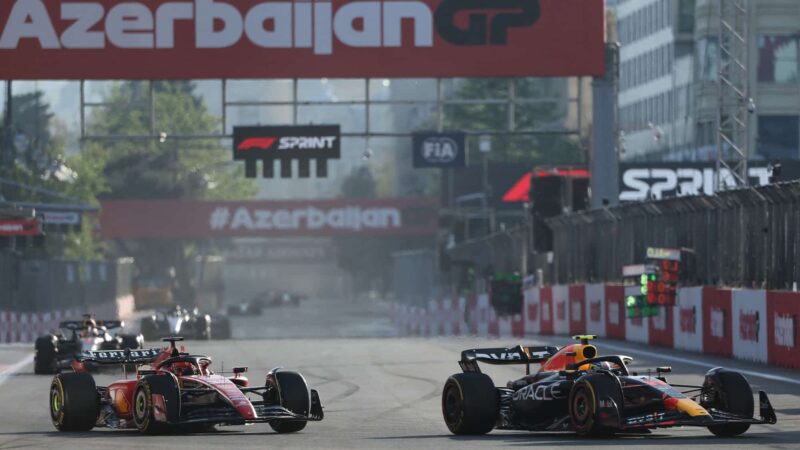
(26,327)
(753,325)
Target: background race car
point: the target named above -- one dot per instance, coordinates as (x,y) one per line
(177,391)
(191,324)
(267,299)
(577,390)
(55,352)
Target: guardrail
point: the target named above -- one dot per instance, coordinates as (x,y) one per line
(740,238)
(753,325)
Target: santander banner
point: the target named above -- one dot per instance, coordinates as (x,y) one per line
(182,39)
(185,219)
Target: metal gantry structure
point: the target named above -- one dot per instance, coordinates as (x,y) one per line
(733,91)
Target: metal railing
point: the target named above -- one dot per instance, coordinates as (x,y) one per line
(742,238)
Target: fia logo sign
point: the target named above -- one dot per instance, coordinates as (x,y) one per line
(439,150)
(443,150)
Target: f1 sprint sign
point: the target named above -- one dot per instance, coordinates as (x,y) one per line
(184,39)
(287,143)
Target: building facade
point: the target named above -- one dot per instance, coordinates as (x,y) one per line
(656,53)
(669,67)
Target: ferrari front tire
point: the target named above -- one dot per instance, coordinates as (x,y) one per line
(74,402)
(470,404)
(143,414)
(295,396)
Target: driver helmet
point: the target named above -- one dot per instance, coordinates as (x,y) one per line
(596,366)
(89,327)
(183,369)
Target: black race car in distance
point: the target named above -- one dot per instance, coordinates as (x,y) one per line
(268,299)
(577,390)
(191,324)
(56,352)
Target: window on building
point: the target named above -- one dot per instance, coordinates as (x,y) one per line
(706,134)
(779,137)
(777,58)
(686,16)
(667,12)
(707,58)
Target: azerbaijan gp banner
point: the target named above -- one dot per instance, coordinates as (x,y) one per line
(195,39)
(187,219)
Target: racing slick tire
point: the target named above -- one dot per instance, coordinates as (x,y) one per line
(74,402)
(143,413)
(730,392)
(203,328)
(470,404)
(294,395)
(46,353)
(584,403)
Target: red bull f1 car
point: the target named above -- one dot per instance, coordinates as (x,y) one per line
(178,391)
(56,351)
(577,390)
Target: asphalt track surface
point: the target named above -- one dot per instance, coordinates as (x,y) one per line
(378,392)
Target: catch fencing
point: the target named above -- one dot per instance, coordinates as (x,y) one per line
(39,285)
(740,238)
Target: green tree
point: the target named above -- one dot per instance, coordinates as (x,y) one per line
(554,148)
(36,170)
(33,157)
(127,168)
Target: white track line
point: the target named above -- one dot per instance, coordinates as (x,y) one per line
(15,368)
(698,363)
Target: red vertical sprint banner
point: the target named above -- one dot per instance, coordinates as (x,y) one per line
(577,309)
(717,337)
(615,311)
(783,337)
(546,313)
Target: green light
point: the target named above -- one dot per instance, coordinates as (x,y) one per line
(631,301)
(653,277)
(644,290)
(643,279)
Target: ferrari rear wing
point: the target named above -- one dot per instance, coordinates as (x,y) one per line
(505,356)
(127,356)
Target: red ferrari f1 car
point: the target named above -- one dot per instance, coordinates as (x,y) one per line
(578,390)
(177,391)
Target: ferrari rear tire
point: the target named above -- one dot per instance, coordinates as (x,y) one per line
(730,392)
(470,404)
(74,402)
(44,360)
(295,396)
(143,414)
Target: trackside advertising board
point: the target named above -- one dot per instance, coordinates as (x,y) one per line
(185,219)
(191,39)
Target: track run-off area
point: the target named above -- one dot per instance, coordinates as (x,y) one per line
(379,392)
